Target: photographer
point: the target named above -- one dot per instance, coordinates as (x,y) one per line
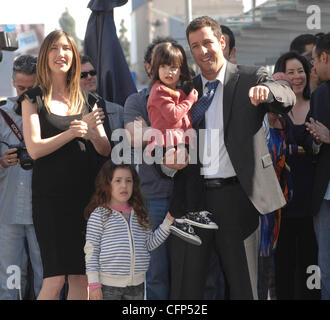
(16,225)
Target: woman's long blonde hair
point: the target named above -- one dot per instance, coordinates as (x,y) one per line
(76,99)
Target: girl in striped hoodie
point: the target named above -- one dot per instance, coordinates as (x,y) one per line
(119,238)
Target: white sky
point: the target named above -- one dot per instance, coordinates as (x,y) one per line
(48,13)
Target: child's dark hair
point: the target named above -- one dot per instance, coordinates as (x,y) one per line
(102,194)
(170,54)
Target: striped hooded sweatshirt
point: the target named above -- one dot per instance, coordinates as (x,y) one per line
(117,250)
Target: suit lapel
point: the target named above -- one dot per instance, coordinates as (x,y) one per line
(231,78)
(198,85)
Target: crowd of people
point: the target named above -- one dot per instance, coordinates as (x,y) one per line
(235,205)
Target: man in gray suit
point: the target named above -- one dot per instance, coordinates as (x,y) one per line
(239,177)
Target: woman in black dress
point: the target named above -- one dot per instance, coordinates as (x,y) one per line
(58,122)
(297,247)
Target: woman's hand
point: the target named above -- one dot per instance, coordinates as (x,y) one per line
(94,118)
(96,294)
(319,131)
(78,128)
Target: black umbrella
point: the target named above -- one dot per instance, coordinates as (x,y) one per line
(102,45)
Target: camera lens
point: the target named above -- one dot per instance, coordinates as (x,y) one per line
(25,160)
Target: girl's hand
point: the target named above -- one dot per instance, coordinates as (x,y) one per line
(96,294)
(194,94)
(78,128)
(94,118)
(170,217)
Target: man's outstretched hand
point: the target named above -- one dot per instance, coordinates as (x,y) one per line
(258,94)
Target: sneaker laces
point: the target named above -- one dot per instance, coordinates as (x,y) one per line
(190,229)
(185,227)
(205,213)
(204,216)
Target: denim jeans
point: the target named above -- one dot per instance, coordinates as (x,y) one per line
(322,232)
(12,247)
(125,293)
(157,278)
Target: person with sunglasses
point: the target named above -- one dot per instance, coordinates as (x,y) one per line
(114,112)
(88,79)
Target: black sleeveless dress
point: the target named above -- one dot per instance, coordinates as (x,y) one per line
(62,183)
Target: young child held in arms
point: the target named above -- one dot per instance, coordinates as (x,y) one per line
(119,237)
(169,113)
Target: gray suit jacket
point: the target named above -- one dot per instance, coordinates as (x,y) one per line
(244,135)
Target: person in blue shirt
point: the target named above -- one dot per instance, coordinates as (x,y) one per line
(16,225)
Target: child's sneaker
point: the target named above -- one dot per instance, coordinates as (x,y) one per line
(185,231)
(200,219)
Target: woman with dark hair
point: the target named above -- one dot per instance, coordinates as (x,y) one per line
(296,248)
(59,121)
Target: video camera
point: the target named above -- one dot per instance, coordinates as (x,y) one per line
(8,42)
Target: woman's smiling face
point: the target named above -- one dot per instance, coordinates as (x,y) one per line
(295,71)
(60,55)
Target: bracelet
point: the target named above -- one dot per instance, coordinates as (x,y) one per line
(3,164)
(93,286)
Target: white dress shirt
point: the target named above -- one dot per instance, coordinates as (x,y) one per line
(215,159)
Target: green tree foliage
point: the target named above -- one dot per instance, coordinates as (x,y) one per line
(125,45)
(68,24)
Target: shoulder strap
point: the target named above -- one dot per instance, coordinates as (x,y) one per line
(106,124)
(12,125)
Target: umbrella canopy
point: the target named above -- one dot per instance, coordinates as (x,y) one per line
(102,45)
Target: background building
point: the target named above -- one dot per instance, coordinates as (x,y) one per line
(262,34)
(152,18)
(30,37)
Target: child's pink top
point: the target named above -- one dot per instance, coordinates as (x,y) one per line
(125,208)
(169,109)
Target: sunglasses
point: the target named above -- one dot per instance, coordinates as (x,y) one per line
(86,73)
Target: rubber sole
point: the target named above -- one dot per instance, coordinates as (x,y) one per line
(201,225)
(184,236)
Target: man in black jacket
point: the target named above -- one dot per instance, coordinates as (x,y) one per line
(320,125)
(240,179)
